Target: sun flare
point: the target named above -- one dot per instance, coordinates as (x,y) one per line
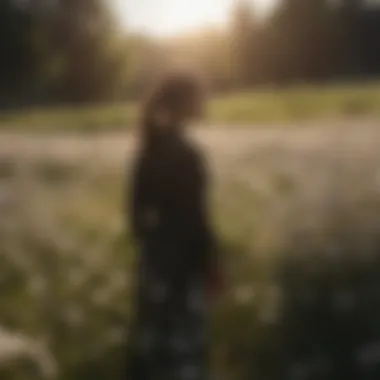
(170,17)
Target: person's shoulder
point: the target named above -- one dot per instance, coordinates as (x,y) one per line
(190,150)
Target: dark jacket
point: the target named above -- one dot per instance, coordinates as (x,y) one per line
(169,213)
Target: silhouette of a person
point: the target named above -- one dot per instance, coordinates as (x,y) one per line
(175,241)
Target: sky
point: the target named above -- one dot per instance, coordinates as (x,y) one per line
(169,17)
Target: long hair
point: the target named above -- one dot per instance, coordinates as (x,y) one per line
(179,96)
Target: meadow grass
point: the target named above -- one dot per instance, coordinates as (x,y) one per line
(268,106)
(298,226)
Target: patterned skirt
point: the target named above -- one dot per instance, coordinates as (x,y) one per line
(169,339)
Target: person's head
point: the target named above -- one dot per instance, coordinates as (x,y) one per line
(176,100)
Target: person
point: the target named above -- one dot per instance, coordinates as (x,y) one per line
(177,270)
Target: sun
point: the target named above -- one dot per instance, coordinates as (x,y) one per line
(170,17)
(184,15)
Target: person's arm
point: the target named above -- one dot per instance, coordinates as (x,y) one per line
(194,204)
(137,201)
(199,222)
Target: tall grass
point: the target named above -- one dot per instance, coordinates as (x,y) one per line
(268,106)
(298,220)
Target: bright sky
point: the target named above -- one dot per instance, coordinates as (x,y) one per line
(169,17)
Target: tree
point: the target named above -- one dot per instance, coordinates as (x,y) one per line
(243,36)
(146,60)
(90,49)
(304,40)
(18,54)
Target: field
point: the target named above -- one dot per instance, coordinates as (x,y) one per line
(298,215)
(268,106)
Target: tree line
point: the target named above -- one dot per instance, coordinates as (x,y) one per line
(309,40)
(75,51)
(302,41)
(59,51)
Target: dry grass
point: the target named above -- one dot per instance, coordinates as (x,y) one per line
(261,107)
(310,192)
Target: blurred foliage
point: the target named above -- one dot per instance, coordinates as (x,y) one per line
(19,53)
(85,36)
(270,107)
(76,51)
(60,51)
(302,265)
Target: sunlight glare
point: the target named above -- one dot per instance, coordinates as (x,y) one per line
(169,17)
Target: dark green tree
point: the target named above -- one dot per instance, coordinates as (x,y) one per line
(18,62)
(88,44)
(304,40)
(243,40)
